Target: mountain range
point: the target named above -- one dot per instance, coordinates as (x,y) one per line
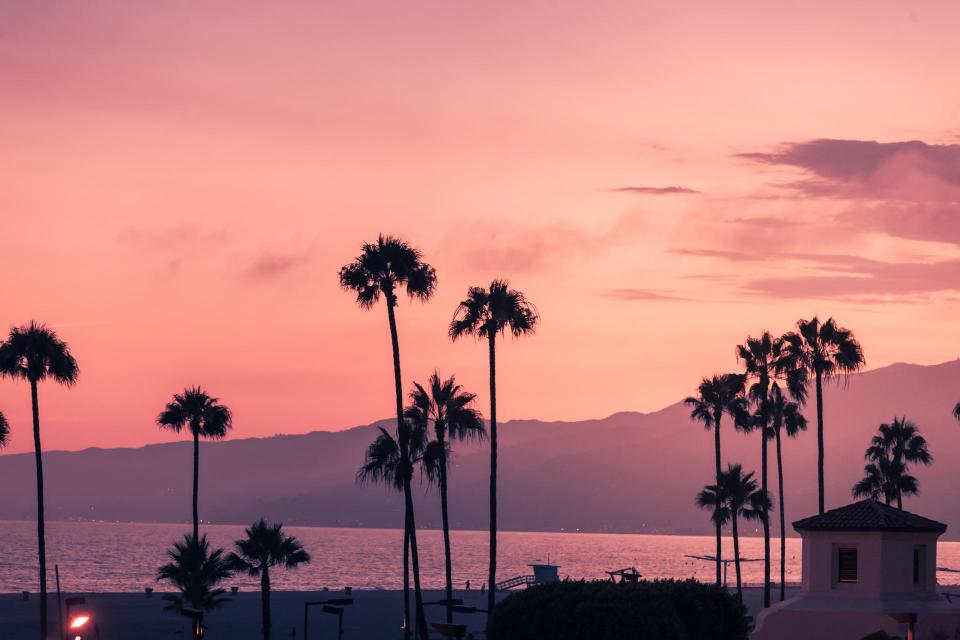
(628,472)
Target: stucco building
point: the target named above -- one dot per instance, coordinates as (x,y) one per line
(866,567)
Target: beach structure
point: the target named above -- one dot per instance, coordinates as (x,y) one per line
(542,573)
(867,567)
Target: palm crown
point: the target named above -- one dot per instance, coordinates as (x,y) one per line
(900,439)
(384,463)
(34,352)
(385,265)
(487,312)
(195,571)
(784,414)
(203,415)
(824,348)
(267,546)
(448,406)
(714,497)
(743,497)
(717,395)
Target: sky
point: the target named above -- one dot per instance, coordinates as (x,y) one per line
(181,183)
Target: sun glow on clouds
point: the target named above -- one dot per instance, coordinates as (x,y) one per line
(182,182)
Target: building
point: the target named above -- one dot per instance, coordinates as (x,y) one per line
(866,567)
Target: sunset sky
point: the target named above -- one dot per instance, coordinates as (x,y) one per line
(181,182)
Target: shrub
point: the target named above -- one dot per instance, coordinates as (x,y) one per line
(596,610)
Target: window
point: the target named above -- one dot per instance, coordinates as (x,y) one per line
(847,566)
(919,562)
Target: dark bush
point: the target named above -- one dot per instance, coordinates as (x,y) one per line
(648,610)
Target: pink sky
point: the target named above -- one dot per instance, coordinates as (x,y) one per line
(181,182)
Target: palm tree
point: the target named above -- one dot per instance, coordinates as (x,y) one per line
(206,418)
(34,353)
(956,411)
(743,500)
(896,446)
(716,396)
(760,357)
(4,430)
(714,498)
(388,464)
(263,547)
(784,416)
(451,410)
(486,313)
(824,351)
(195,571)
(381,269)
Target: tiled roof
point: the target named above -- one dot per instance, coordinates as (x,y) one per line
(868,515)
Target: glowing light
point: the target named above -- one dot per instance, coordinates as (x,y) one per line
(79,621)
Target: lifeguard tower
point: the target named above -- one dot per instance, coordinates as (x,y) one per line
(542,574)
(867,567)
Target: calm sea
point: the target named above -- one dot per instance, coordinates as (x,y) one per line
(124,557)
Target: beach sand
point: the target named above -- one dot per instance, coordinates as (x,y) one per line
(375,615)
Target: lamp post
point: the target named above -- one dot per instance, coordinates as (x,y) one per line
(333,606)
(76,622)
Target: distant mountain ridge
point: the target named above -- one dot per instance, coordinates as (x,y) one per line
(628,472)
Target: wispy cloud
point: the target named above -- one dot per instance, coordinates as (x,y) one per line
(272,265)
(644,295)
(656,191)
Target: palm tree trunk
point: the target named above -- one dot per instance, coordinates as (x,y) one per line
(783,526)
(422,631)
(492,574)
(765,517)
(716,436)
(820,438)
(736,556)
(409,538)
(265,600)
(899,500)
(41,535)
(196,484)
(448,566)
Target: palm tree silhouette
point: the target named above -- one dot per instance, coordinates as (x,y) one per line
(743,500)
(716,396)
(34,353)
(824,351)
(388,464)
(263,547)
(206,418)
(956,411)
(381,269)
(760,357)
(4,430)
(895,446)
(195,571)
(784,416)
(451,410)
(485,313)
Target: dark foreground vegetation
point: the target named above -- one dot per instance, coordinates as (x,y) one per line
(648,610)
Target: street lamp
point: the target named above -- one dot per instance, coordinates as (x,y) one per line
(333,606)
(76,622)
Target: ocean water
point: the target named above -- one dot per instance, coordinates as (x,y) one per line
(109,557)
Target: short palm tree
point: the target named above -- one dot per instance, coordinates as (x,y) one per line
(485,314)
(713,498)
(195,571)
(454,417)
(381,270)
(205,417)
(895,446)
(716,396)
(34,353)
(743,500)
(785,416)
(388,464)
(824,350)
(266,546)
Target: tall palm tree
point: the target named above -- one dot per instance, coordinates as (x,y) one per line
(716,396)
(784,416)
(388,464)
(741,497)
(452,412)
(34,353)
(206,418)
(760,358)
(824,350)
(263,547)
(195,571)
(382,268)
(486,313)
(899,444)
